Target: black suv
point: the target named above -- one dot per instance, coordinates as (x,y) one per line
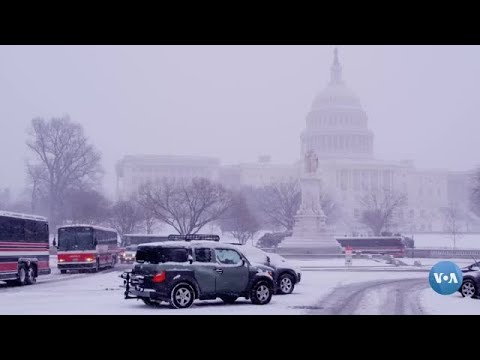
(195,267)
(471,281)
(286,274)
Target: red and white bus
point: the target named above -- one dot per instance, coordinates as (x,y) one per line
(24,248)
(86,247)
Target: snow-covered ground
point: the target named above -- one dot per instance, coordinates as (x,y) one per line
(102,293)
(337,263)
(453,304)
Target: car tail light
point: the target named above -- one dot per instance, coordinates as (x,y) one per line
(160,277)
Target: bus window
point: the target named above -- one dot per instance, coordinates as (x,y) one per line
(75,238)
(18,230)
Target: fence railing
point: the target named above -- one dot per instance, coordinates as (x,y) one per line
(442,253)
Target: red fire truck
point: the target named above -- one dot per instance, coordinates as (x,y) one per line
(86,248)
(23,248)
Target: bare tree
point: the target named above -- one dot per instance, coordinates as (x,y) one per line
(330,208)
(146,214)
(126,217)
(186,205)
(280,202)
(64,160)
(86,206)
(239,220)
(37,176)
(452,217)
(380,208)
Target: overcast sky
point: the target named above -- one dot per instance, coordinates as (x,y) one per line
(238,102)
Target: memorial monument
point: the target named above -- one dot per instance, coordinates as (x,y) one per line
(311,235)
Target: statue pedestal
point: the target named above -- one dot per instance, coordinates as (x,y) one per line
(311,236)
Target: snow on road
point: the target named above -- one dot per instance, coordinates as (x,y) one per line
(360,292)
(453,304)
(102,293)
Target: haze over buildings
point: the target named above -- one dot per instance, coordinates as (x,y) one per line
(337,129)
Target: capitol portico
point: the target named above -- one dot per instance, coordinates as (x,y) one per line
(336,129)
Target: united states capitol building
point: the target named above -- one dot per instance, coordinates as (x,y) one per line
(337,130)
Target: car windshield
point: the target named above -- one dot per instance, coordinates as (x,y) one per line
(75,238)
(156,255)
(131,248)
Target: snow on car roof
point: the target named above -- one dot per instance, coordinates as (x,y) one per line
(22,216)
(214,244)
(96,227)
(146,235)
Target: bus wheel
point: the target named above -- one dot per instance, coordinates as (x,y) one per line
(63,271)
(22,275)
(31,278)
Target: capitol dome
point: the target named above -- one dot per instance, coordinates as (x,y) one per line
(336,125)
(336,95)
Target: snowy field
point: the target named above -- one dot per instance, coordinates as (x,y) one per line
(102,294)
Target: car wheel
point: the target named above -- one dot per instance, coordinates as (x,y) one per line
(31,278)
(96,268)
(182,296)
(285,284)
(229,299)
(468,289)
(150,302)
(22,275)
(261,293)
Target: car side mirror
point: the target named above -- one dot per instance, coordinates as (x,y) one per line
(190,259)
(243,262)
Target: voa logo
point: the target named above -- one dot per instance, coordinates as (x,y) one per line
(450,278)
(445,277)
